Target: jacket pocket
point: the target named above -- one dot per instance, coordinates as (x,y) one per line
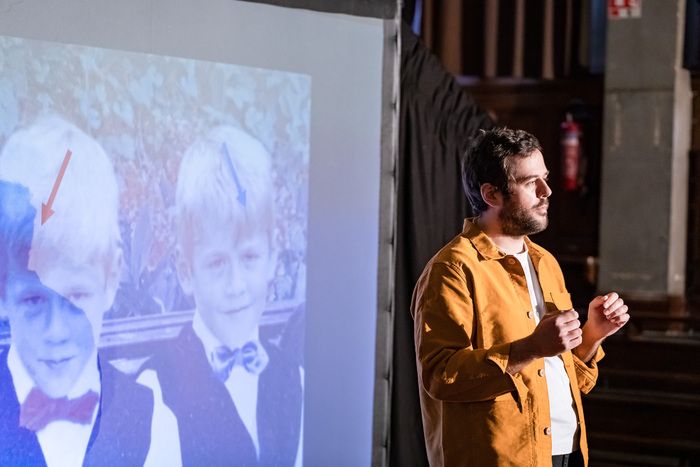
(508,396)
(560,301)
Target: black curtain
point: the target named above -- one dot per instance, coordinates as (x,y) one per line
(437,121)
(408,11)
(691,49)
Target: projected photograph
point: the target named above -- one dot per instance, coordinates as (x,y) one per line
(153,237)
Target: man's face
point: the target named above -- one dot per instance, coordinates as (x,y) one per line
(229,279)
(524,210)
(55,316)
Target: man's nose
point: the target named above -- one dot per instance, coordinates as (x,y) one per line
(544,190)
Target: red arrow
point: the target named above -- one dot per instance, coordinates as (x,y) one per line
(46,210)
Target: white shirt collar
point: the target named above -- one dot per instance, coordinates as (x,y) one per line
(209,341)
(89,378)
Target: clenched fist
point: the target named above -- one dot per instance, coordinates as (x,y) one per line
(556,333)
(606,315)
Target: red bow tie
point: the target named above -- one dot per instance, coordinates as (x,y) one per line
(38,410)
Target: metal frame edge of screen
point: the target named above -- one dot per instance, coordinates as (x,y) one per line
(385,9)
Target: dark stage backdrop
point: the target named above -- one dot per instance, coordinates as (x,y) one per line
(437,121)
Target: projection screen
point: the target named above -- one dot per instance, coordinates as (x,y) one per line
(193,197)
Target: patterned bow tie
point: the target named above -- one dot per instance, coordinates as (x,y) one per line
(38,410)
(251,356)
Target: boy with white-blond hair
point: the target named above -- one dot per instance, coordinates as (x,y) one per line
(237,398)
(60,263)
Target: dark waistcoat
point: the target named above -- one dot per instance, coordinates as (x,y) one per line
(211,430)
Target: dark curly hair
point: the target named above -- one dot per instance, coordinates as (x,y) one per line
(488,160)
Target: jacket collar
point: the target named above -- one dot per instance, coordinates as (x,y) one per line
(485,246)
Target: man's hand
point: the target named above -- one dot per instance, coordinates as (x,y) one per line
(555,334)
(606,315)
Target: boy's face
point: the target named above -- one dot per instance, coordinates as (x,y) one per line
(55,316)
(229,279)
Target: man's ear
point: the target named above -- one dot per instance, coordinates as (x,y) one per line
(184,271)
(492,195)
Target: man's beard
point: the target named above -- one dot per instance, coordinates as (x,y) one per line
(517,221)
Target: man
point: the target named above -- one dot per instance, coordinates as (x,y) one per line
(502,358)
(234,379)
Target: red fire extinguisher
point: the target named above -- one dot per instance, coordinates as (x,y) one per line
(570,154)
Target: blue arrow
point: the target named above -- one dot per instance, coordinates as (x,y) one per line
(229,162)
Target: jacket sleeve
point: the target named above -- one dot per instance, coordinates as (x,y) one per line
(587,373)
(449,367)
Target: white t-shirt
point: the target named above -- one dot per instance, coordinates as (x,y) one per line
(561,404)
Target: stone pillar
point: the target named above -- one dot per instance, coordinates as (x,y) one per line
(646,141)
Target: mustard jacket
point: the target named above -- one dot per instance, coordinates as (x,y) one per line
(469,304)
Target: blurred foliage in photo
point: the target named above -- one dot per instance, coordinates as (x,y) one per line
(146,110)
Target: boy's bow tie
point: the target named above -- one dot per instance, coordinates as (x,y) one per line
(251,356)
(38,409)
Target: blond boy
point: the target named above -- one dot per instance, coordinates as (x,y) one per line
(237,398)
(60,405)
